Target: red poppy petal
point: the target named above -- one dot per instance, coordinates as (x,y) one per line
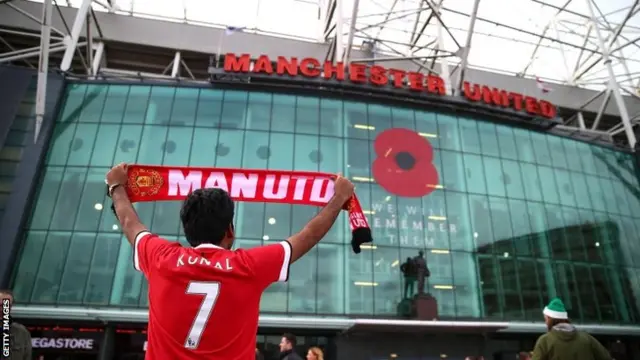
(386,144)
(416,182)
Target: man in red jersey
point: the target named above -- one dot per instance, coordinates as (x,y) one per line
(204,300)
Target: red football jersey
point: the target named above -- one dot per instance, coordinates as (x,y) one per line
(204,301)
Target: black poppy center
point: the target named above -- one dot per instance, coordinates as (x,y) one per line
(405,160)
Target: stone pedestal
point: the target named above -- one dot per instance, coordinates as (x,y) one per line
(425,307)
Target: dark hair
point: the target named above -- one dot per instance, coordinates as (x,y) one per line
(206,215)
(290,338)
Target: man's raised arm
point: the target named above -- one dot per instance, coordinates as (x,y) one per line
(129,221)
(318,227)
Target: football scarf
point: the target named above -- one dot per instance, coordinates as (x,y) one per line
(167,183)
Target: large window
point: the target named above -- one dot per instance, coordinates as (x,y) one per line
(507,218)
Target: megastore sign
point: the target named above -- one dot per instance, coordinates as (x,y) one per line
(376,75)
(62,343)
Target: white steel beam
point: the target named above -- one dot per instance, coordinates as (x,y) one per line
(398,58)
(584,43)
(581,123)
(617,129)
(31,54)
(613,84)
(186,68)
(603,107)
(128,74)
(386,19)
(630,42)
(339,25)
(417,35)
(637,96)
(352,31)
(105,5)
(444,63)
(612,39)
(78,24)
(327,17)
(437,12)
(176,65)
(43,66)
(28,34)
(24,51)
(467,48)
(415,23)
(97,58)
(542,37)
(569,77)
(14,49)
(89,37)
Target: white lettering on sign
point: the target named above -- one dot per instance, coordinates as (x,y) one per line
(358,220)
(253,186)
(6,328)
(269,187)
(244,185)
(62,343)
(322,190)
(411,225)
(178,183)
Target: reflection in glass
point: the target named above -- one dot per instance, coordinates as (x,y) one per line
(517,216)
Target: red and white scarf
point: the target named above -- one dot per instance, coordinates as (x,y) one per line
(164,183)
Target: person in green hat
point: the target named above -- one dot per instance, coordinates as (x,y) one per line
(563,341)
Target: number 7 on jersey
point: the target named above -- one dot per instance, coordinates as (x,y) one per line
(210,290)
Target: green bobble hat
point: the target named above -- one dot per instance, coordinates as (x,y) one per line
(556,310)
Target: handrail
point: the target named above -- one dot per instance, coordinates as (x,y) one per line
(311,322)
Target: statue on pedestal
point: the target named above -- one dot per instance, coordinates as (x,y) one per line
(419,305)
(414,269)
(422,270)
(410,273)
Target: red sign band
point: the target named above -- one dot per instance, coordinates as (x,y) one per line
(377,75)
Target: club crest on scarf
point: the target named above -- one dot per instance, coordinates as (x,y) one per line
(144,182)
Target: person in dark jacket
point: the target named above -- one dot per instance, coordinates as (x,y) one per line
(287,347)
(259,355)
(20,337)
(563,341)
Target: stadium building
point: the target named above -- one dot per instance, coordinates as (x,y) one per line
(531,191)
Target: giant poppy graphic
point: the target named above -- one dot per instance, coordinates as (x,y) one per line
(404,163)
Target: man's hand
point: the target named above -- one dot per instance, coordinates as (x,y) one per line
(126,214)
(118,175)
(343,188)
(318,227)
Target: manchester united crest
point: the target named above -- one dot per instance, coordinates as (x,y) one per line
(351,205)
(143,182)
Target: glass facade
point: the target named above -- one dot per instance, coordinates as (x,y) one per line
(515,218)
